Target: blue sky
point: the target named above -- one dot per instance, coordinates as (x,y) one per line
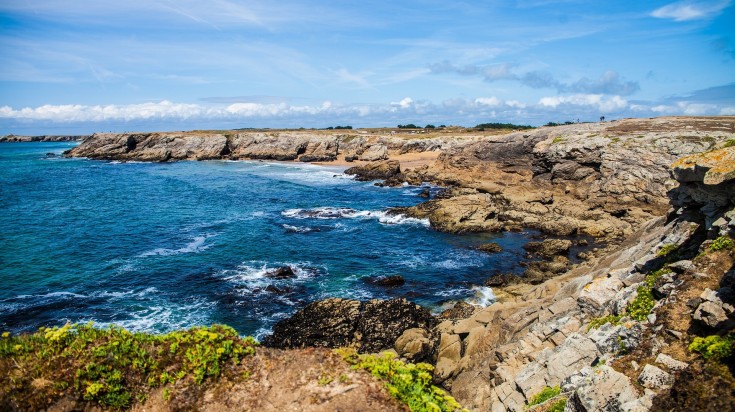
(81,66)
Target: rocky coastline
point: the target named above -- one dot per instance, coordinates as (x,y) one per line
(43,138)
(618,331)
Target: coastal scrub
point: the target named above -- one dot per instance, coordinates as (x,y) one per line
(409,383)
(112,366)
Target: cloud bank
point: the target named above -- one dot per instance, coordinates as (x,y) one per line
(460,111)
(690,10)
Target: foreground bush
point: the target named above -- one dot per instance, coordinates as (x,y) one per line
(112,366)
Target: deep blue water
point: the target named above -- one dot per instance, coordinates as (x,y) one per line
(159,246)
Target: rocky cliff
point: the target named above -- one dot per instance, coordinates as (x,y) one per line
(305,146)
(601,179)
(43,138)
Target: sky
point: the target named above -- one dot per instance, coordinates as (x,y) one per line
(84,66)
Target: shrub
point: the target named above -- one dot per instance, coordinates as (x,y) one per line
(545,394)
(113,366)
(667,249)
(409,383)
(722,243)
(640,307)
(729,143)
(598,322)
(558,406)
(713,347)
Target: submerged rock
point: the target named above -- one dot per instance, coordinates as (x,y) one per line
(372,326)
(490,247)
(387,281)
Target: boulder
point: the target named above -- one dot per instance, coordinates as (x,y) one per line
(460,310)
(371,326)
(387,281)
(596,295)
(504,279)
(601,389)
(490,247)
(655,378)
(414,344)
(450,352)
(373,153)
(671,363)
(375,171)
(284,272)
(549,247)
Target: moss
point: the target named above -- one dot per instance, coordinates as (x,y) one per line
(558,139)
(714,347)
(545,394)
(729,143)
(409,383)
(113,367)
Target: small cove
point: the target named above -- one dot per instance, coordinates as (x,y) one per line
(160,246)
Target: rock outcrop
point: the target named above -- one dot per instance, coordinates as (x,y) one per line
(44,138)
(371,326)
(602,179)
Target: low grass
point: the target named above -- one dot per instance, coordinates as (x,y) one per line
(409,383)
(112,367)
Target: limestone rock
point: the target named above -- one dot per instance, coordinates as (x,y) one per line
(710,168)
(374,153)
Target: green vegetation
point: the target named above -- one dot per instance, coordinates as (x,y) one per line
(408,126)
(558,406)
(713,347)
(429,126)
(339,128)
(410,383)
(729,143)
(667,249)
(558,139)
(597,322)
(113,366)
(484,126)
(545,394)
(722,243)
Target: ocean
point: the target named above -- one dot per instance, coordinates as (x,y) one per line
(160,246)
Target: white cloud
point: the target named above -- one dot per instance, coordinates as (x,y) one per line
(488,101)
(605,104)
(461,111)
(690,10)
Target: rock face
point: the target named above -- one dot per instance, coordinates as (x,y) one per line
(372,326)
(602,179)
(44,138)
(267,145)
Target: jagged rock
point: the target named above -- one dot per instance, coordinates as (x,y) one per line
(549,247)
(576,352)
(375,171)
(682,266)
(710,168)
(663,286)
(372,326)
(460,310)
(671,363)
(617,339)
(597,294)
(490,247)
(374,153)
(504,279)
(414,344)
(284,272)
(601,389)
(655,378)
(450,352)
(531,379)
(710,314)
(425,193)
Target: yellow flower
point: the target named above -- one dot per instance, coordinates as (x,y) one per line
(6,334)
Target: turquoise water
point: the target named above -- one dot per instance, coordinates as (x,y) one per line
(159,246)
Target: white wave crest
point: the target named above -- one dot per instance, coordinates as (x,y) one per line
(195,246)
(384,217)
